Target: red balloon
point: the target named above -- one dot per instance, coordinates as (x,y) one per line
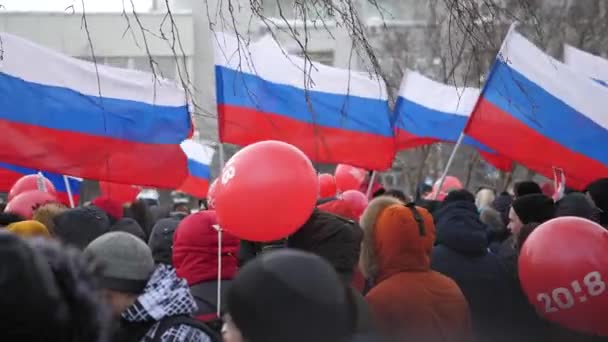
(357,201)
(266,191)
(327,185)
(25,203)
(563,270)
(349,177)
(211,194)
(31,182)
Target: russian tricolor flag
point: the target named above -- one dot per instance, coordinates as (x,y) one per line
(199,168)
(10,174)
(332,115)
(69,116)
(427,112)
(587,64)
(541,113)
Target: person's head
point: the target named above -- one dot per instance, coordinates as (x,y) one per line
(528,209)
(48,293)
(577,204)
(79,226)
(397,238)
(598,192)
(129,225)
(181,208)
(126,266)
(502,204)
(140,212)
(334,238)
(111,207)
(195,249)
(46,213)
(28,229)
(8,218)
(526,188)
(493,220)
(459,195)
(288,295)
(484,198)
(161,240)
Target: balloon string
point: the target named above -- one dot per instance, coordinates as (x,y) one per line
(219,271)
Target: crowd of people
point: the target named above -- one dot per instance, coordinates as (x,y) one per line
(408,269)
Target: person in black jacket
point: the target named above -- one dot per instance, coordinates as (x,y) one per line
(462,254)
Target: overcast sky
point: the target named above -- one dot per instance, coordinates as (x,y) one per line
(61,5)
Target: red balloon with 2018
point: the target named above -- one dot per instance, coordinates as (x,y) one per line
(563,270)
(266,191)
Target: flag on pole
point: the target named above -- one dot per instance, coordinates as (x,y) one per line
(199,168)
(69,116)
(333,115)
(427,112)
(539,112)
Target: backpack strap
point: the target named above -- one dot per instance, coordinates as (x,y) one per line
(174,321)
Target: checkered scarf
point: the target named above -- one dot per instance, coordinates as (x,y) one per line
(166,295)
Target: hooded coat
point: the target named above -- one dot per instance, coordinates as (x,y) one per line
(165,295)
(161,240)
(338,241)
(195,256)
(462,254)
(410,302)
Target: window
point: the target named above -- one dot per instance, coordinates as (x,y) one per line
(292,9)
(119,62)
(395,9)
(324,57)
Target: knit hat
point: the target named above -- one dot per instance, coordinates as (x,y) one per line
(129,225)
(526,188)
(161,240)
(534,208)
(111,207)
(80,226)
(335,239)
(289,295)
(459,195)
(195,249)
(46,213)
(28,229)
(126,260)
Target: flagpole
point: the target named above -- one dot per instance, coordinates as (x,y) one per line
(41,184)
(68,188)
(448,165)
(370,186)
(222,156)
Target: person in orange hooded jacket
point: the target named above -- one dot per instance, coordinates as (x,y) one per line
(409,301)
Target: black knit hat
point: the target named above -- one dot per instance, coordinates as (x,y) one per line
(79,226)
(534,208)
(459,195)
(161,240)
(527,188)
(576,204)
(289,295)
(598,190)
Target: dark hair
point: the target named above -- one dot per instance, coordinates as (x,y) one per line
(74,274)
(140,212)
(524,233)
(8,218)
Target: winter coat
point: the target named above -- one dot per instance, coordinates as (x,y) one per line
(410,302)
(165,295)
(195,252)
(462,254)
(337,240)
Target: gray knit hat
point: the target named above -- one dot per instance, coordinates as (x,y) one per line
(126,260)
